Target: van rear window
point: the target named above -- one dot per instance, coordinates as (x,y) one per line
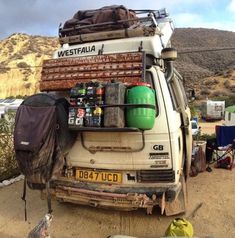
(150,81)
(177,90)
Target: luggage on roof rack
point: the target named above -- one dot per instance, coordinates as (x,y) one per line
(106,18)
(109,35)
(111,22)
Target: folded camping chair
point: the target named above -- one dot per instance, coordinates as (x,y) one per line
(225,137)
(222,155)
(225,157)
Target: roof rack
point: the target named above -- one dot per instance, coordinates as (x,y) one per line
(145,26)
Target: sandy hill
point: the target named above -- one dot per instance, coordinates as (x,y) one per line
(20,54)
(197,67)
(209,72)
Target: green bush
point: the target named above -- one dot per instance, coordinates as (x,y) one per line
(195,111)
(205,137)
(17,97)
(8,165)
(229,100)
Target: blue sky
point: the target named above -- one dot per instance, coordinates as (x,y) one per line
(42,17)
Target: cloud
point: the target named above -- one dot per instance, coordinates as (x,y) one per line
(226,26)
(231,6)
(187,19)
(197,20)
(42,17)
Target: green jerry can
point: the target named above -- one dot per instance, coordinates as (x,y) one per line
(140,117)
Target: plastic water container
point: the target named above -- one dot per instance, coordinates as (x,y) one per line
(141,117)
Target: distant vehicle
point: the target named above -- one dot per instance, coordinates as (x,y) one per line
(2,111)
(213,110)
(195,127)
(9,105)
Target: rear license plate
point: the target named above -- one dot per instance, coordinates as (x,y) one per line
(98,176)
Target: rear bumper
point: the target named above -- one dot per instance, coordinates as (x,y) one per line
(115,197)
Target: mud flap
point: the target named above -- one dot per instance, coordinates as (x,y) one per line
(162,203)
(179,204)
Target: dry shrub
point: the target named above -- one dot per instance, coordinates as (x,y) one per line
(27,85)
(208,82)
(38,55)
(227,83)
(209,87)
(10,48)
(13,41)
(22,65)
(200,97)
(232,88)
(230,95)
(227,74)
(26,72)
(18,56)
(218,93)
(4,70)
(205,91)
(219,73)
(211,82)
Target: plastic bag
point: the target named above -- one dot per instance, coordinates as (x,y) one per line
(179,227)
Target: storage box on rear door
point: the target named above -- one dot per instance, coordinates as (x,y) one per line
(114,94)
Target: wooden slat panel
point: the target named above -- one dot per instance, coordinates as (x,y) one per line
(93,67)
(92,74)
(95,59)
(65,73)
(68,84)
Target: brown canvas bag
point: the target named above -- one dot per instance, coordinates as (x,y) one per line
(41,137)
(109,14)
(34,142)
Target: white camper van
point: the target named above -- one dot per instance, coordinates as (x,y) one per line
(213,110)
(127,168)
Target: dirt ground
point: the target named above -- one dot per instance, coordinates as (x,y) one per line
(209,127)
(215,218)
